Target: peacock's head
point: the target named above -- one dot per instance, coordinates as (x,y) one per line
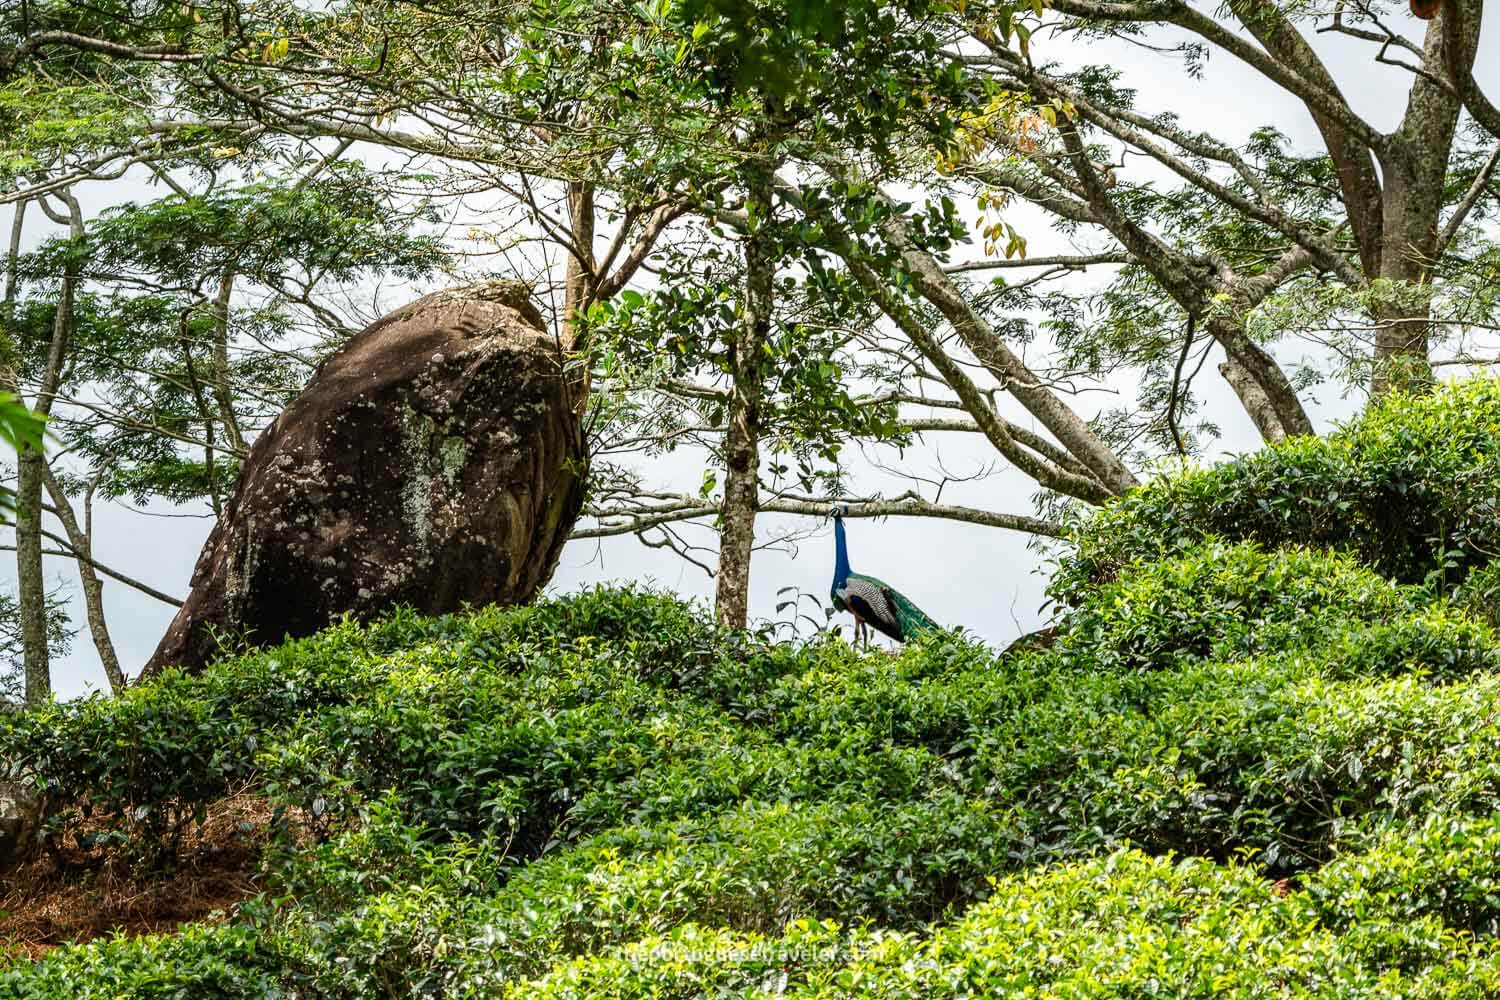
(838,510)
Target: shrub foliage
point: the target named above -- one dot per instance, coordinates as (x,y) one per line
(1411,489)
(1257,761)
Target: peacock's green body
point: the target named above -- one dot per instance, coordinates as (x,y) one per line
(872,601)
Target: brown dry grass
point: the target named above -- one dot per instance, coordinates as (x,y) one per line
(96,892)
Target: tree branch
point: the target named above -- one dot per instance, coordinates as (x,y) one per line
(1077,261)
(1464,207)
(686,508)
(32,44)
(68,552)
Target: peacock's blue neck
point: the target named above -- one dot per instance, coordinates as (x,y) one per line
(840,555)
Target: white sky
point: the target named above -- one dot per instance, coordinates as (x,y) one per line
(984,579)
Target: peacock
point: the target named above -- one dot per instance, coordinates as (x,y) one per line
(871,601)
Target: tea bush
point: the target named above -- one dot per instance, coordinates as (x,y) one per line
(201,962)
(1411,489)
(1122,925)
(606,795)
(1227,601)
(503,795)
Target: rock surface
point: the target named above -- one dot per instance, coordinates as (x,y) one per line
(20,811)
(434,460)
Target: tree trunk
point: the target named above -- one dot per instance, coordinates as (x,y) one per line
(1402,317)
(31,466)
(1401,351)
(580,285)
(223,391)
(579,279)
(30,581)
(207,415)
(80,538)
(742,439)
(1414,169)
(17,227)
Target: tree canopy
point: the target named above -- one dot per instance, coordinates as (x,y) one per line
(774,231)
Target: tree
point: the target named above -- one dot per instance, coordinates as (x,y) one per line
(754,75)
(892,142)
(1375,212)
(171,376)
(49,360)
(754,368)
(1255,243)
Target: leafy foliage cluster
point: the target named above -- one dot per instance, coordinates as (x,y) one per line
(1412,489)
(1244,768)
(177,363)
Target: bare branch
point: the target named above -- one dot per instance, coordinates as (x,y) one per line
(1078,261)
(610,282)
(33,44)
(67,551)
(1470,199)
(686,508)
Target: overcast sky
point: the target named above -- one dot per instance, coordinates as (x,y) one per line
(984,579)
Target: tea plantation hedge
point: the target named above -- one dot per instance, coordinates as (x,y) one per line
(1259,762)
(1411,489)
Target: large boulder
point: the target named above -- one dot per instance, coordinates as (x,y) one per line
(434,460)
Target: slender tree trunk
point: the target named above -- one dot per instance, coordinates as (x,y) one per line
(32,470)
(31,474)
(32,596)
(81,539)
(205,413)
(223,392)
(579,280)
(30,582)
(13,253)
(742,439)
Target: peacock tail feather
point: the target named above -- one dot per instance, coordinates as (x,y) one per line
(914,620)
(910,620)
